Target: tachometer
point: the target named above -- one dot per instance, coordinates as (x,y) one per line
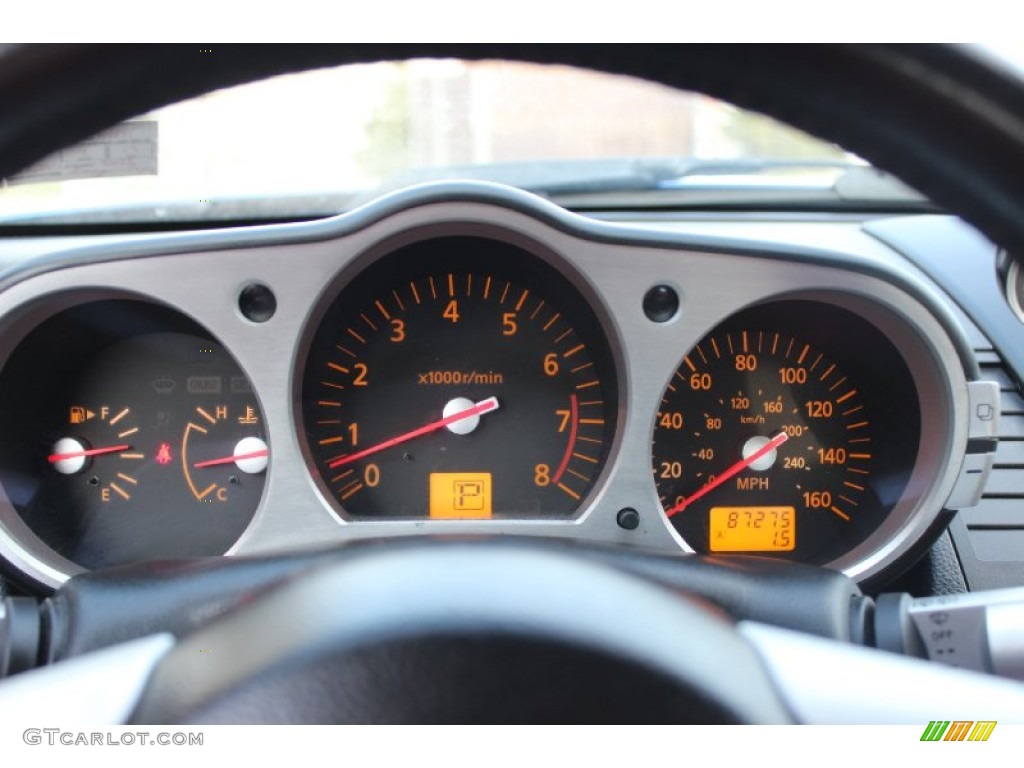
(778,435)
(459,377)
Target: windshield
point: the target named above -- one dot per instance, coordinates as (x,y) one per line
(322,142)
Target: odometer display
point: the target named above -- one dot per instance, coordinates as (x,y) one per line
(459,378)
(787,431)
(752,529)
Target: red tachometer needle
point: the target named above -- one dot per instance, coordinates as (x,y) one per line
(484,406)
(739,466)
(230,459)
(53,458)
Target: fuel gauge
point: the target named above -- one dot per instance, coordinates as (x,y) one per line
(130,435)
(102,445)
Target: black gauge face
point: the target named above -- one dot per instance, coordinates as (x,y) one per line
(792,436)
(459,378)
(131,436)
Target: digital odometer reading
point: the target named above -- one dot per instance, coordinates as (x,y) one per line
(764,429)
(752,529)
(459,378)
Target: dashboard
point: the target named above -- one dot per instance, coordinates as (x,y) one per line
(465,359)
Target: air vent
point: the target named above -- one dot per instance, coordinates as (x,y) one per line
(990,537)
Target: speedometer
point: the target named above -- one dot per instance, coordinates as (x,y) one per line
(459,378)
(790,434)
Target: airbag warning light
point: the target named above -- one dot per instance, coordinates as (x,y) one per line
(460,495)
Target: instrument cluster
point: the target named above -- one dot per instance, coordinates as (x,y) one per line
(465,359)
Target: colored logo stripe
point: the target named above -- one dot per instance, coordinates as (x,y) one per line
(982,730)
(934,730)
(958,730)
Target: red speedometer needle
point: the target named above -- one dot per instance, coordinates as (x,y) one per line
(484,406)
(53,458)
(231,459)
(736,468)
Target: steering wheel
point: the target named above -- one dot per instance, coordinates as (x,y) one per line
(582,636)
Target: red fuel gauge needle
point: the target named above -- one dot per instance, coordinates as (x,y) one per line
(736,468)
(53,458)
(232,459)
(484,406)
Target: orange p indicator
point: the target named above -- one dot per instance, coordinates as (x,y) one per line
(460,495)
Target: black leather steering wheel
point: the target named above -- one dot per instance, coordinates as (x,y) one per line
(944,119)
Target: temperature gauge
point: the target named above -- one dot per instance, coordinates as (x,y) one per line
(224,455)
(131,435)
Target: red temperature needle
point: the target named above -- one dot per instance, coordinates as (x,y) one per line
(230,459)
(736,468)
(484,406)
(53,458)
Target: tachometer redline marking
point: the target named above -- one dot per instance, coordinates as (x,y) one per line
(573,424)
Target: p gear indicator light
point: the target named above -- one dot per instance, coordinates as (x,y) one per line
(460,495)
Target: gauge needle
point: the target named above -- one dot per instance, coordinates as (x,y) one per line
(484,406)
(736,468)
(233,458)
(53,458)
